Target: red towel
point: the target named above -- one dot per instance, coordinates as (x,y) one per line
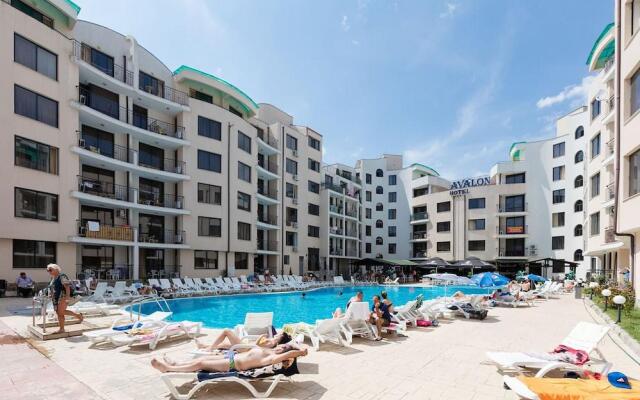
(580,357)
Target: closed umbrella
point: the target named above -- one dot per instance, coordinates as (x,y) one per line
(485,279)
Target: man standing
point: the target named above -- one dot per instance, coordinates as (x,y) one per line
(25,285)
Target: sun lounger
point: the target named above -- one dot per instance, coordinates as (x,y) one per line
(223,285)
(256,324)
(182,288)
(324,330)
(152,336)
(232,284)
(356,322)
(98,295)
(167,287)
(585,336)
(197,286)
(569,388)
(123,324)
(272,374)
(407,312)
(209,287)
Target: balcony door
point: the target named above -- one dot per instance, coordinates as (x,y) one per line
(151,156)
(103,216)
(98,141)
(152,263)
(514,203)
(514,248)
(151,228)
(151,192)
(97,261)
(140,117)
(98,181)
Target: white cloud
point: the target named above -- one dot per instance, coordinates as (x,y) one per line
(345,23)
(355,43)
(451,9)
(577,93)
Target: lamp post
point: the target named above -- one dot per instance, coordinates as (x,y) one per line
(606,293)
(619,300)
(592,286)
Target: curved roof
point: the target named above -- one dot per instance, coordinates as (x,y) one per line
(515,152)
(429,169)
(602,49)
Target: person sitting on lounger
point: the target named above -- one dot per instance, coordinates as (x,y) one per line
(357,298)
(256,357)
(228,338)
(380,316)
(526,285)
(386,301)
(499,295)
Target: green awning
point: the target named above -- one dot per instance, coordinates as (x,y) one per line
(607,52)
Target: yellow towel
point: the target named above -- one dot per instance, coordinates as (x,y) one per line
(580,389)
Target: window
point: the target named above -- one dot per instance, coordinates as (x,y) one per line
(379,223)
(149,84)
(200,96)
(244,172)
(379,240)
(36,205)
(393,179)
(558,150)
(35,106)
(594,224)
(291,190)
(292,143)
(313,231)
(557,219)
(443,246)
(34,155)
(514,225)
(476,245)
(244,201)
(33,13)
(367,230)
(577,231)
(379,190)
(205,259)
(32,56)
(209,128)
(314,143)
(477,224)
(314,209)
(393,197)
(209,227)
(314,187)
(209,161)
(151,156)
(367,213)
(33,253)
(241,261)
(379,207)
(579,132)
(368,195)
(634,86)
(314,165)
(244,231)
(595,185)
(235,111)
(444,226)
(634,172)
(244,142)
(579,157)
(290,239)
(477,203)
(514,178)
(558,173)
(367,248)
(379,173)
(557,242)
(443,206)
(392,248)
(558,196)
(514,203)
(391,230)
(392,213)
(577,255)
(210,194)
(578,182)
(577,206)
(291,167)
(595,146)
(420,192)
(368,178)
(595,108)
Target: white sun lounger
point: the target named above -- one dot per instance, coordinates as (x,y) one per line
(356,322)
(223,285)
(181,287)
(159,334)
(585,336)
(210,287)
(101,290)
(256,324)
(102,335)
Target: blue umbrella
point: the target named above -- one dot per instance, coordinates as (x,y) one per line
(485,279)
(536,278)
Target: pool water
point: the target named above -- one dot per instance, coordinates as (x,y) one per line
(289,307)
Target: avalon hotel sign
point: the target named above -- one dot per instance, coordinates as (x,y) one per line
(461,187)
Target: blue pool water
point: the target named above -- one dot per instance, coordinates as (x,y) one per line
(288,307)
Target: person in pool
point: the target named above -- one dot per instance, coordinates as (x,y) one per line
(228,338)
(256,357)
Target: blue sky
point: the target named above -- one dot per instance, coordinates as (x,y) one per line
(448,83)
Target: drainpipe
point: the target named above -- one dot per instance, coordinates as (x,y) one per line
(618,76)
(229,125)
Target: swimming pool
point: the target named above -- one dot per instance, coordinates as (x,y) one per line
(288,307)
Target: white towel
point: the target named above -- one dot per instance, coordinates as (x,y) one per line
(94,226)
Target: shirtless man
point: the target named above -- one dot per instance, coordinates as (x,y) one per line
(228,338)
(255,358)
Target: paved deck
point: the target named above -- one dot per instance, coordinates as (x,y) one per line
(430,363)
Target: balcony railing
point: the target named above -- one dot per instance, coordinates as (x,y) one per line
(509,209)
(351,233)
(125,193)
(160,200)
(267,219)
(526,252)
(166,236)
(512,230)
(336,231)
(609,234)
(108,271)
(336,252)
(270,166)
(267,138)
(112,150)
(419,216)
(96,230)
(611,146)
(166,93)
(83,52)
(609,64)
(351,213)
(611,104)
(164,164)
(161,271)
(335,209)
(419,235)
(351,252)
(349,176)
(112,109)
(419,254)
(610,192)
(268,245)
(272,194)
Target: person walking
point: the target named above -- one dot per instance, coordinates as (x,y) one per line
(61,295)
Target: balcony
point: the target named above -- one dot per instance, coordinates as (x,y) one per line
(163,164)
(351,233)
(83,52)
(418,236)
(267,169)
(512,231)
(267,196)
(517,253)
(352,253)
(419,254)
(267,245)
(167,236)
(351,213)
(167,93)
(336,231)
(340,189)
(419,217)
(96,232)
(609,235)
(349,176)
(609,195)
(610,153)
(114,271)
(504,209)
(267,222)
(336,252)
(610,115)
(267,142)
(335,209)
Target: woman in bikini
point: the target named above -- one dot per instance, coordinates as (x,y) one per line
(60,291)
(228,338)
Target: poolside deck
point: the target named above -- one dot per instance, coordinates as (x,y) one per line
(430,363)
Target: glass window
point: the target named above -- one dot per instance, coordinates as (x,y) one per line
(444,226)
(244,172)
(420,192)
(514,203)
(313,231)
(594,224)
(558,196)
(635,92)
(368,230)
(579,157)
(33,253)
(379,173)
(379,207)
(314,143)
(557,219)
(149,84)
(241,261)
(557,242)
(292,143)
(577,231)
(514,178)
(313,209)
(367,213)
(368,179)
(391,230)
(209,128)
(379,240)
(205,259)
(367,247)
(393,197)
(209,161)
(314,165)
(577,207)
(634,173)
(578,182)
(476,245)
(392,213)
(392,179)
(210,194)
(595,185)
(577,255)
(235,111)
(595,146)
(33,13)
(34,155)
(244,201)
(558,173)
(35,106)
(150,156)
(579,132)
(514,225)
(36,205)
(32,56)
(558,150)
(379,190)
(291,190)
(443,246)
(595,108)
(291,167)
(209,227)
(443,206)
(244,142)
(290,239)
(200,96)
(314,187)
(244,231)
(379,224)
(392,248)
(367,195)
(477,203)
(477,224)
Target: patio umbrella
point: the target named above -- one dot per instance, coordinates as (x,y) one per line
(485,279)
(536,278)
(474,263)
(434,262)
(451,278)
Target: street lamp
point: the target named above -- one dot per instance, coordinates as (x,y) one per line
(606,293)
(619,300)
(592,286)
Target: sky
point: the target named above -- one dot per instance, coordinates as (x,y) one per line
(450,84)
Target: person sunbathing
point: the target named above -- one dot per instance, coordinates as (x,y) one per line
(256,357)
(228,338)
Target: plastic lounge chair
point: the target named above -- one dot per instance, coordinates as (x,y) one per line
(253,285)
(324,330)
(407,313)
(356,322)
(167,287)
(242,286)
(102,289)
(273,374)
(214,284)
(151,337)
(570,388)
(124,324)
(118,293)
(223,285)
(209,287)
(181,287)
(585,336)
(256,324)
(196,286)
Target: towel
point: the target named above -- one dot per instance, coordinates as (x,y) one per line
(579,389)
(94,226)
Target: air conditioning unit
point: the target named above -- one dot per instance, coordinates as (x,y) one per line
(294,200)
(295,153)
(295,177)
(83,99)
(122,213)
